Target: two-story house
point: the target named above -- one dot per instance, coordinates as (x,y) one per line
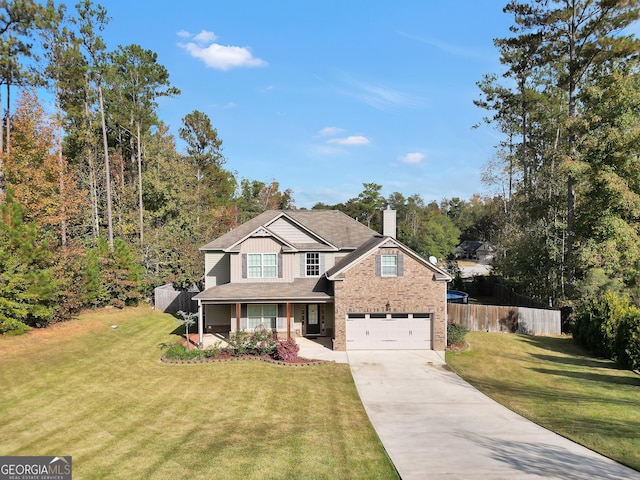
(322,273)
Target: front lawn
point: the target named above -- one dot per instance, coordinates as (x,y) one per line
(102,396)
(555,383)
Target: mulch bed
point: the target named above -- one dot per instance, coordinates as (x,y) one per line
(226,357)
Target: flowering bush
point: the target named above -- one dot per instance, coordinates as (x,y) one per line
(261,342)
(286,350)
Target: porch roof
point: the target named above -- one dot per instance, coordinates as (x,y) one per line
(300,290)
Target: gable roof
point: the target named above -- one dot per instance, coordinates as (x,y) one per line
(373,245)
(472,246)
(333,229)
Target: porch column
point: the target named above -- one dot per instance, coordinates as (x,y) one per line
(238,313)
(288,321)
(200,324)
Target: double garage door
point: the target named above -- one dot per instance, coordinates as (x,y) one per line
(389,331)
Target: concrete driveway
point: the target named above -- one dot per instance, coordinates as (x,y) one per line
(434,425)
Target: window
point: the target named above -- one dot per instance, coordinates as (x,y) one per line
(313,264)
(389,265)
(262,265)
(262,314)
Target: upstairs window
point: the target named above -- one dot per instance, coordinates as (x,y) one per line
(262,265)
(312,264)
(389,264)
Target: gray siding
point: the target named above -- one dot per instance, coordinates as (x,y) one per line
(216,268)
(290,232)
(261,245)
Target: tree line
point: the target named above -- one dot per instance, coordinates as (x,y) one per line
(98,205)
(566,104)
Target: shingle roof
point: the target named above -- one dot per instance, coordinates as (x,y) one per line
(375,242)
(335,227)
(316,289)
(372,243)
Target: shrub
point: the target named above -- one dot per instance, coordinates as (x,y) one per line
(238,342)
(627,341)
(456,333)
(286,350)
(261,342)
(213,351)
(11,326)
(596,322)
(180,352)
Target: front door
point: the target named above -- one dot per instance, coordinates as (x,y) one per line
(313,320)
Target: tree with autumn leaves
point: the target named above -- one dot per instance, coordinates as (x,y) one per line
(100,180)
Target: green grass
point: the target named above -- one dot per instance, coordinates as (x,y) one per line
(101,395)
(555,383)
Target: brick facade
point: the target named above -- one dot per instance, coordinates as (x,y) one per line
(361,291)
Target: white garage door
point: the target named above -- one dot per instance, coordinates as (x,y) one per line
(389,331)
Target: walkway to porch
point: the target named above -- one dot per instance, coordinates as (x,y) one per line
(319,348)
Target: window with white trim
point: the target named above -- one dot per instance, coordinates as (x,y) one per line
(313,264)
(266,315)
(262,265)
(389,264)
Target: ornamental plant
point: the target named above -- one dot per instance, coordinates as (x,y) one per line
(286,350)
(456,333)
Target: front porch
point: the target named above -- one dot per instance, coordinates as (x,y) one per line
(301,308)
(288,320)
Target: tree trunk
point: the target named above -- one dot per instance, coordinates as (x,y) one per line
(93,184)
(107,169)
(571,194)
(140,206)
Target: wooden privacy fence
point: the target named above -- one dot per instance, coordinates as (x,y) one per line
(169,300)
(491,318)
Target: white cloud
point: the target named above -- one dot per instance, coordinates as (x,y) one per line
(413,158)
(214,55)
(350,140)
(329,131)
(205,37)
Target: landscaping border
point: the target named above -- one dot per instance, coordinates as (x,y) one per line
(304,363)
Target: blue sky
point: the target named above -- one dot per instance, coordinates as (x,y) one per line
(323,96)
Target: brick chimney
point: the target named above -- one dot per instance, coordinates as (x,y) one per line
(389,223)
